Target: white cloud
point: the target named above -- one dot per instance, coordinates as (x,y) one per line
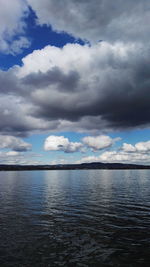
(92,60)
(14,143)
(141,147)
(99,142)
(60,143)
(12,153)
(115,156)
(128,147)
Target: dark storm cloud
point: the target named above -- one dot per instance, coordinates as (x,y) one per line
(66,82)
(8,82)
(107,88)
(11,116)
(115,90)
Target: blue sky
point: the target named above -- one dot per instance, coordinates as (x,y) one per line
(74,82)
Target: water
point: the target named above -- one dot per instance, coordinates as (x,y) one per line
(75,218)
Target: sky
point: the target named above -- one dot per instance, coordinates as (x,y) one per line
(74,81)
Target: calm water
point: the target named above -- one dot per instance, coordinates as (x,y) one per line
(75,218)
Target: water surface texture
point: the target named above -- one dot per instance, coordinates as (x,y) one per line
(75,218)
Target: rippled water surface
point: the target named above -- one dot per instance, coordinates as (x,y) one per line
(75,218)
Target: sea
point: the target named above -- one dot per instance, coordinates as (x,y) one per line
(75,218)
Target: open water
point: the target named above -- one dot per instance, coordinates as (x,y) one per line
(75,218)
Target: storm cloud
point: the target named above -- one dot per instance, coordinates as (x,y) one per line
(108,83)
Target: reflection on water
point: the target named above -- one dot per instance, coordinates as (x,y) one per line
(75,218)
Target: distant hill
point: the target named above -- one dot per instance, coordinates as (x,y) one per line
(88,166)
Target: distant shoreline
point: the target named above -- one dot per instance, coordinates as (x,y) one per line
(82,166)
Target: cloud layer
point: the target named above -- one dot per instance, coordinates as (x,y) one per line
(16,144)
(118,157)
